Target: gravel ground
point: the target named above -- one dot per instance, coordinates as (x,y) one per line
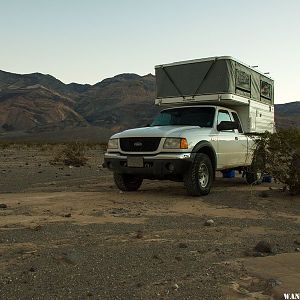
(68,233)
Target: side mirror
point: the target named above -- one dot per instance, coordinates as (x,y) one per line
(227,125)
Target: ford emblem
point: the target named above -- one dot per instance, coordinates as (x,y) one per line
(138,144)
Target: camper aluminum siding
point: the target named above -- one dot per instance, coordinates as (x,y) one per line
(212,76)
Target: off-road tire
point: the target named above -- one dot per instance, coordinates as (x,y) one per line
(127,182)
(195,182)
(253,177)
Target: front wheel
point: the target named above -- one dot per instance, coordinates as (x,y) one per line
(198,179)
(127,182)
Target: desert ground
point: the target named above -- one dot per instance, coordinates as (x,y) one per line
(69,233)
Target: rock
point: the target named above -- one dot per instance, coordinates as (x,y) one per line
(209,222)
(264,247)
(37,228)
(2,205)
(67,215)
(139,234)
(273,282)
(297,241)
(297,249)
(264,194)
(32,269)
(182,245)
(253,253)
(175,286)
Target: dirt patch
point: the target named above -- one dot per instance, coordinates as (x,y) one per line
(281,271)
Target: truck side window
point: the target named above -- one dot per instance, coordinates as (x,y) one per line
(223,115)
(236,119)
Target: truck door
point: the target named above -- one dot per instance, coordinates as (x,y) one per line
(228,149)
(241,141)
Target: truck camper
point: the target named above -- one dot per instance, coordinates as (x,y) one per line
(210,107)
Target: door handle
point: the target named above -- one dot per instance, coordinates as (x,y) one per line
(236,138)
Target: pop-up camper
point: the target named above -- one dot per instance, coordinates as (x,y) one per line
(222,81)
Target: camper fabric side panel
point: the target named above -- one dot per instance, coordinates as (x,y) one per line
(208,77)
(188,77)
(181,80)
(164,86)
(255,90)
(220,79)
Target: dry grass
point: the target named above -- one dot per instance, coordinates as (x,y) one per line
(72,154)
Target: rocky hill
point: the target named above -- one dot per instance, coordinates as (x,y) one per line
(32,104)
(288,115)
(38,105)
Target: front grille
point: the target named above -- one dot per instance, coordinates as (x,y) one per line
(140,144)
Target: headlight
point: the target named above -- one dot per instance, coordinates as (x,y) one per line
(113,144)
(176,143)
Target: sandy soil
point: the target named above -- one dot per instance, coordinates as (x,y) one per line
(68,233)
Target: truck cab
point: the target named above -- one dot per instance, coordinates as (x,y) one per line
(169,146)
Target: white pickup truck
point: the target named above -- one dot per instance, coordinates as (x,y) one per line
(202,130)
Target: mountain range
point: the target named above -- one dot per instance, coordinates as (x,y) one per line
(38,106)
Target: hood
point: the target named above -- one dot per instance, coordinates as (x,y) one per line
(162,131)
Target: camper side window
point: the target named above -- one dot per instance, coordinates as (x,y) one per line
(265,90)
(243,83)
(236,119)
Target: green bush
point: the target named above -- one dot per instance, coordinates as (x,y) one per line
(278,154)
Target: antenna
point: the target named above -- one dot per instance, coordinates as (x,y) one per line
(254,66)
(267,73)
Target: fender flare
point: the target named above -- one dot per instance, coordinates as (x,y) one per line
(208,149)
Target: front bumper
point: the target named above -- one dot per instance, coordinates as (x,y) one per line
(161,166)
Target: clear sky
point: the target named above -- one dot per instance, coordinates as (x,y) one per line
(86,41)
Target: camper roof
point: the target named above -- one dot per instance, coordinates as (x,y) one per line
(184,62)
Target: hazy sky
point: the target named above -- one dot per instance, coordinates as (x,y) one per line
(86,41)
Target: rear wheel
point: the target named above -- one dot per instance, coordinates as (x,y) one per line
(198,179)
(127,182)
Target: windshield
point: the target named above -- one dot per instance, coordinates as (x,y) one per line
(190,116)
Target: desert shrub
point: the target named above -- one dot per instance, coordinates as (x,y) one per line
(72,154)
(4,145)
(278,154)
